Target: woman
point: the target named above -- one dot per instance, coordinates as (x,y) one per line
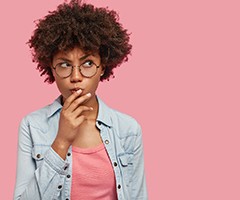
(77,147)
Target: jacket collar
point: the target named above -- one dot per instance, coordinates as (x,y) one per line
(55,106)
(104,112)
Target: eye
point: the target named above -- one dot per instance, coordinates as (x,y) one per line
(64,65)
(88,64)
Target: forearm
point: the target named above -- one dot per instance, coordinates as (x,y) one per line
(61,147)
(45,182)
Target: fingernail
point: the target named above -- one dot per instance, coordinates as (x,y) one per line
(79,91)
(88,94)
(91,108)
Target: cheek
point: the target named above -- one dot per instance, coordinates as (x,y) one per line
(61,86)
(93,84)
(96,84)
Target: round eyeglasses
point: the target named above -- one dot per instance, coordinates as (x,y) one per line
(87,69)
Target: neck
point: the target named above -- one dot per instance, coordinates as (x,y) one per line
(92,102)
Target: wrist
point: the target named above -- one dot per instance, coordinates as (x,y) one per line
(61,147)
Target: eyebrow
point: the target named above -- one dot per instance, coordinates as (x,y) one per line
(82,58)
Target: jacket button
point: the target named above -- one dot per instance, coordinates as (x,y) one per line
(115,164)
(38,155)
(68,176)
(119,186)
(68,154)
(106,141)
(60,187)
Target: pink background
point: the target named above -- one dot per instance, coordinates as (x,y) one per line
(181,83)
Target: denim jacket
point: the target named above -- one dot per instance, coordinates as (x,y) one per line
(43,175)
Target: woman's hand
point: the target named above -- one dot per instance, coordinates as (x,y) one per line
(71,118)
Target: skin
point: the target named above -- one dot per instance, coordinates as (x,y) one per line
(77,123)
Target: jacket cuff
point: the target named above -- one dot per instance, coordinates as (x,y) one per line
(56,162)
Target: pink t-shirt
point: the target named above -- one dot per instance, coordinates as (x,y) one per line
(92,175)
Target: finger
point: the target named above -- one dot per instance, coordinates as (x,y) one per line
(71,98)
(81,118)
(77,102)
(78,111)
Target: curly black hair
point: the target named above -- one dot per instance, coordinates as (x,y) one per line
(79,24)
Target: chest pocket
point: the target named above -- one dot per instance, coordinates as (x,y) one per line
(38,153)
(126,163)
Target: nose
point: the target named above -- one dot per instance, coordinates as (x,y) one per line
(76,76)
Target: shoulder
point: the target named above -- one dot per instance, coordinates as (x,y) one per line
(36,118)
(41,116)
(122,123)
(125,125)
(127,121)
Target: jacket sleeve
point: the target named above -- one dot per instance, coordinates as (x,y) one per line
(139,190)
(39,183)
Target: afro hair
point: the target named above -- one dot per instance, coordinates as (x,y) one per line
(79,24)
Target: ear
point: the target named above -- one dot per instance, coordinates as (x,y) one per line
(103,70)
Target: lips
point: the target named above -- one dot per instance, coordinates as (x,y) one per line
(74,90)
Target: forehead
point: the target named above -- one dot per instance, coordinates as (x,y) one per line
(75,52)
